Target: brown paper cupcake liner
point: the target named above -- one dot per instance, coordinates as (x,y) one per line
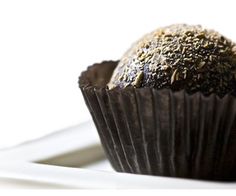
(161,132)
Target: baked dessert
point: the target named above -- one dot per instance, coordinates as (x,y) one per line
(168,107)
(179,57)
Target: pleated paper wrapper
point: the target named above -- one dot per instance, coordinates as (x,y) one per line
(162,132)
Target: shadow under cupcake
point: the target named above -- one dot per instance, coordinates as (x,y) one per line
(168,107)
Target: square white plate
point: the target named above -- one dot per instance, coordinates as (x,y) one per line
(73,158)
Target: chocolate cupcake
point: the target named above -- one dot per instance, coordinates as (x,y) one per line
(168,107)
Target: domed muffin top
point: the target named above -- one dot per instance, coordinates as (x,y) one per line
(179,57)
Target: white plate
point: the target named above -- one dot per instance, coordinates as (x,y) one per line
(73,158)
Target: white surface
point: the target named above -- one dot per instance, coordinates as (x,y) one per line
(16,166)
(44,45)
(58,143)
(102,165)
(83,178)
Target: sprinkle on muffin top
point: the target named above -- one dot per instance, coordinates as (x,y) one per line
(179,57)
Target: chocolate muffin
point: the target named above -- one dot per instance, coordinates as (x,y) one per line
(179,57)
(168,107)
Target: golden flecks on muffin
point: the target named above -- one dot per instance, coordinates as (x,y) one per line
(179,57)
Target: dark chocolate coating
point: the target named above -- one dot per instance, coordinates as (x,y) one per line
(179,57)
